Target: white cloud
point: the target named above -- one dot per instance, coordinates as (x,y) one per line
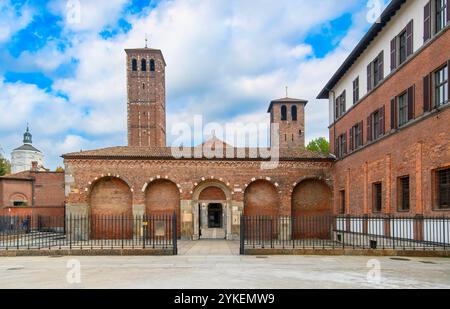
(13,20)
(224,58)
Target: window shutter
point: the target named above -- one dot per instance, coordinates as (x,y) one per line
(411,103)
(344,136)
(336,147)
(360,128)
(427,22)
(351,143)
(393,113)
(393,54)
(369,128)
(381,66)
(336,108)
(410,38)
(426,94)
(344,102)
(369,77)
(382,121)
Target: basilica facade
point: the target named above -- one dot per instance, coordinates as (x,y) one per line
(207,193)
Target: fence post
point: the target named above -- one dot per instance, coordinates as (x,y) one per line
(174,234)
(241,237)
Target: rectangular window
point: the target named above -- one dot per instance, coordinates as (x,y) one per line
(341,146)
(377,197)
(443,190)
(356,136)
(441,87)
(403,109)
(402,47)
(356,90)
(441,14)
(375,72)
(342,202)
(340,105)
(403,193)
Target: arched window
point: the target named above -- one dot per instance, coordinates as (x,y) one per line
(143,65)
(134,65)
(152,65)
(294,113)
(283,113)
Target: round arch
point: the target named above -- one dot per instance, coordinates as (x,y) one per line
(311,197)
(261,199)
(110,198)
(208,188)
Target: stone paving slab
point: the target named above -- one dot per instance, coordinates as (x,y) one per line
(222,272)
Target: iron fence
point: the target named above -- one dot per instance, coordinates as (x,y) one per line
(345,232)
(88,232)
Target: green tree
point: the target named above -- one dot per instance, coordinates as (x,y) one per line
(319,145)
(59,169)
(5,166)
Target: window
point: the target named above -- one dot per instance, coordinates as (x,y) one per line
(19,203)
(340,105)
(283,113)
(356,136)
(403,193)
(441,14)
(402,109)
(152,65)
(294,113)
(356,90)
(341,146)
(375,72)
(134,65)
(402,47)
(143,65)
(443,192)
(441,87)
(377,197)
(342,202)
(376,124)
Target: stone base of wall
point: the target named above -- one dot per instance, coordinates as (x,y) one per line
(349,252)
(87,252)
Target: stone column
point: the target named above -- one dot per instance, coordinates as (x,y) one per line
(138,214)
(284,228)
(77,222)
(195,234)
(187,217)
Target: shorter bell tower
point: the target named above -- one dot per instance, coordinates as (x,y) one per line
(289,116)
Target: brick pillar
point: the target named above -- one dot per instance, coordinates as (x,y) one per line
(347,193)
(388,184)
(419,200)
(366,188)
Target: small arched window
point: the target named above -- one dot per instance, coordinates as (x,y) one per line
(134,65)
(283,113)
(143,65)
(152,65)
(294,113)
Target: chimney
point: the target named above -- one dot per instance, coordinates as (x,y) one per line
(34,166)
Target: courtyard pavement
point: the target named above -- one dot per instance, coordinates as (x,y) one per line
(216,264)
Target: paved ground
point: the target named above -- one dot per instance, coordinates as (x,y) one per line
(211,264)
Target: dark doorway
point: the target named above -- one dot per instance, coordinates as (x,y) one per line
(215,216)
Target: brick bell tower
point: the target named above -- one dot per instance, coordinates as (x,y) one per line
(146,90)
(289,114)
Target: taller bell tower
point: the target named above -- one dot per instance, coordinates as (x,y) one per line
(146,90)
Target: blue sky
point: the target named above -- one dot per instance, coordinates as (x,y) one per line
(62,64)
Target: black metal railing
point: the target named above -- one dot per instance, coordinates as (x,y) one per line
(345,232)
(88,232)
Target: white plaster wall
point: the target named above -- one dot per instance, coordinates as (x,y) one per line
(21,160)
(412,9)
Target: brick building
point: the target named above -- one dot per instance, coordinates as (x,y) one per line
(32,193)
(390,115)
(207,187)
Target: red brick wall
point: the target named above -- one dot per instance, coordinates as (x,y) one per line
(212,194)
(415,150)
(261,199)
(311,198)
(290,136)
(189,173)
(10,187)
(49,188)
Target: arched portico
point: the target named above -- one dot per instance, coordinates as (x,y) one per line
(211,207)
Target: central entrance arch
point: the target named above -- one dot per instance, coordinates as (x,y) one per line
(212,210)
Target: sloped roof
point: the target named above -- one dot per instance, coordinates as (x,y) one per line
(27,147)
(377,27)
(124,152)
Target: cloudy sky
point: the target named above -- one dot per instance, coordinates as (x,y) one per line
(62,65)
